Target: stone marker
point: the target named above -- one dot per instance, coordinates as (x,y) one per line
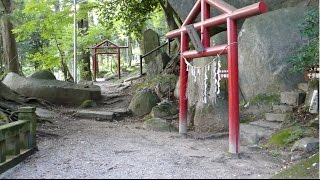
(314,105)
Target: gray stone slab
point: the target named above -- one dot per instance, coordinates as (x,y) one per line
(292,98)
(100,116)
(251,134)
(276,117)
(282,108)
(303,87)
(266,124)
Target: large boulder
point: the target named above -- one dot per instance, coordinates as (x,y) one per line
(265,44)
(44,74)
(55,91)
(8,94)
(143,102)
(156,66)
(150,42)
(183,7)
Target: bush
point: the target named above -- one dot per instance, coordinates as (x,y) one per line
(308,55)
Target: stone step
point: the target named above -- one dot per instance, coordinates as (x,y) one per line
(97,115)
(252,134)
(292,98)
(266,124)
(278,117)
(120,111)
(282,108)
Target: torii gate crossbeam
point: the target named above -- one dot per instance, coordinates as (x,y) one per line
(230,17)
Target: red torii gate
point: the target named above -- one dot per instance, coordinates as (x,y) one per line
(230,16)
(106,44)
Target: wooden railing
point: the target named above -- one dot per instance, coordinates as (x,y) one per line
(18,139)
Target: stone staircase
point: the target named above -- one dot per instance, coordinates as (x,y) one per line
(253,132)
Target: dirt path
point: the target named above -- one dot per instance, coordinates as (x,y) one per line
(85,148)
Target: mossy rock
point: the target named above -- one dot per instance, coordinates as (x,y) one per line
(3,118)
(165,110)
(305,169)
(44,74)
(286,136)
(161,125)
(143,102)
(88,104)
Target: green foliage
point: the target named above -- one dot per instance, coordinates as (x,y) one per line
(130,15)
(286,136)
(308,55)
(306,169)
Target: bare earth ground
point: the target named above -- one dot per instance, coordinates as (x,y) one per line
(83,148)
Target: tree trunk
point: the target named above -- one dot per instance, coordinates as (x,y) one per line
(130,51)
(85,72)
(10,51)
(172,19)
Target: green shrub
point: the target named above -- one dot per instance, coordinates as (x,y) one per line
(308,55)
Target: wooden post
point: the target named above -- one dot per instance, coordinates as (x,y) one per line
(28,113)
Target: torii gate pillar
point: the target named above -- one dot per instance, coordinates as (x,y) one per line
(230,16)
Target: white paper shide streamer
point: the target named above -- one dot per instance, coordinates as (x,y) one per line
(202,74)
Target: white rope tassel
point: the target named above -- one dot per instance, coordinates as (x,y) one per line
(205,86)
(214,82)
(218,75)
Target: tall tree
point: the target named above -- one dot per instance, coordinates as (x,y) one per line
(83,25)
(54,26)
(10,51)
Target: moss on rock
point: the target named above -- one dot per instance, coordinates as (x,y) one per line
(88,104)
(157,124)
(286,136)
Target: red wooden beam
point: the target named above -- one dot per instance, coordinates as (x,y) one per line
(211,51)
(244,12)
(194,13)
(221,5)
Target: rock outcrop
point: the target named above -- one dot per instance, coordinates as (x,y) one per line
(58,92)
(265,44)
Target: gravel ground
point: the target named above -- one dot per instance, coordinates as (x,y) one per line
(122,150)
(85,149)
